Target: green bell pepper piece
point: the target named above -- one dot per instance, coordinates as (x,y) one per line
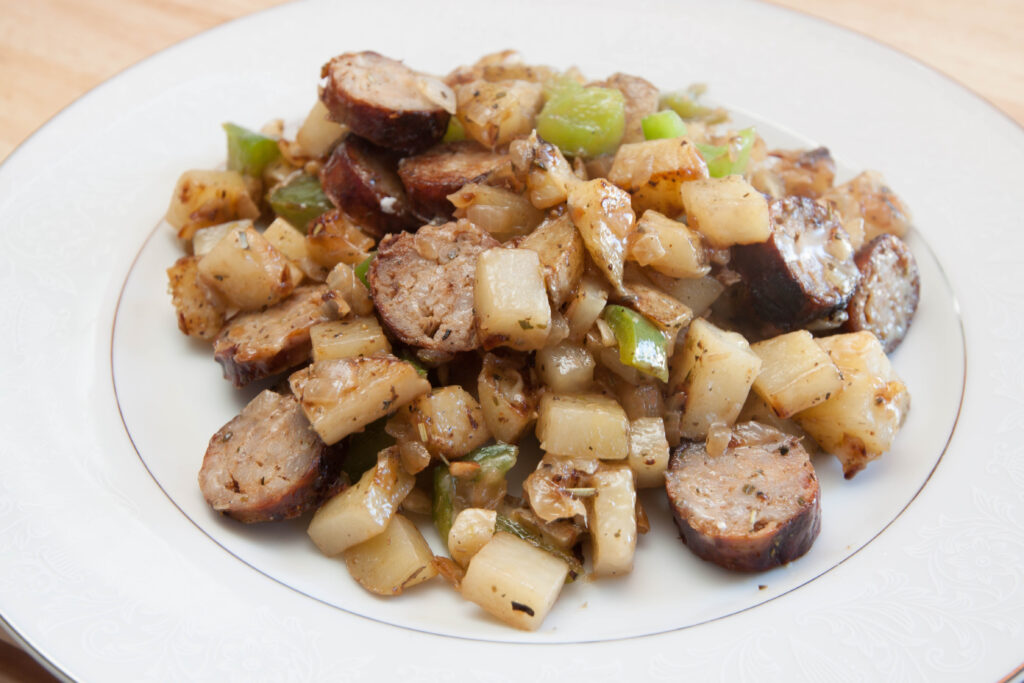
(583,121)
(664,124)
(300,201)
(361,268)
(732,159)
(249,152)
(641,344)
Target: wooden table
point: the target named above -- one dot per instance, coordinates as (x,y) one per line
(976,42)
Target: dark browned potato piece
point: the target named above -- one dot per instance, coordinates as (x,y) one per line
(804,271)
(423,285)
(263,343)
(384,101)
(433,175)
(200,310)
(890,287)
(751,508)
(268,464)
(362,180)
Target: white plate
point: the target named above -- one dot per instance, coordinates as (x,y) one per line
(111,567)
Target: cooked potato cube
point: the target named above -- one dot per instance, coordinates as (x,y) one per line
(318,134)
(502,213)
(203,198)
(582,426)
(682,252)
(448,421)
(200,311)
(471,530)
(858,423)
(604,217)
(697,294)
(508,403)
(362,511)
(289,241)
(655,170)
(393,560)
(511,301)
(727,211)
(495,113)
(548,175)
(796,373)
(668,314)
(566,368)
(585,305)
(562,256)
(612,520)
(648,451)
(205,239)
(342,396)
(514,581)
(348,338)
(715,369)
(247,270)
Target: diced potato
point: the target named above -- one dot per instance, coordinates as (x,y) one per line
(655,170)
(796,373)
(247,270)
(333,238)
(858,423)
(727,211)
(511,301)
(612,520)
(603,215)
(495,113)
(507,402)
(203,198)
(869,208)
(448,421)
(566,368)
(682,252)
(582,426)
(200,310)
(205,239)
(585,305)
(667,313)
(342,396)
(715,369)
(648,451)
(292,243)
(393,560)
(514,581)
(318,134)
(348,292)
(502,213)
(562,256)
(362,511)
(640,400)
(697,294)
(549,177)
(348,338)
(471,530)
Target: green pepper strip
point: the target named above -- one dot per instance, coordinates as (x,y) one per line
(443,507)
(363,267)
(641,344)
(729,159)
(300,201)
(249,152)
(664,124)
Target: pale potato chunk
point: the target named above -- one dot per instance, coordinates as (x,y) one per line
(655,170)
(603,215)
(648,451)
(514,581)
(362,511)
(318,134)
(245,269)
(612,520)
(566,368)
(393,560)
(796,373)
(495,113)
(511,302)
(289,241)
(582,426)
(682,252)
(858,423)
(342,396)
(471,530)
(562,256)
(585,305)
(205,239)
(548,175)
(697,294)
(348,338)
(715,369)
(727,211)
(502,213)
(448,421)
(507,401)
(203,198)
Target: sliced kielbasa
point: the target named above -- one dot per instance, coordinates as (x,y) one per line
(886,300)
(753,507)
(433,175)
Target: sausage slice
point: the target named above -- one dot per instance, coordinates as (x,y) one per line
(890,287)
(423,285)
(386,102)
(263,343)
(804,271)
(268,464)
(430,177)
(362,180)
(753,507)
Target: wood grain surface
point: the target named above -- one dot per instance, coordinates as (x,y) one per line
(53,51)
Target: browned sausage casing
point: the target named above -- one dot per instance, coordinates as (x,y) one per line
(268,464)
(362,180)
(423,285)
(384,101)
(430,177)
(751,508)
(805,270)
(890,288)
